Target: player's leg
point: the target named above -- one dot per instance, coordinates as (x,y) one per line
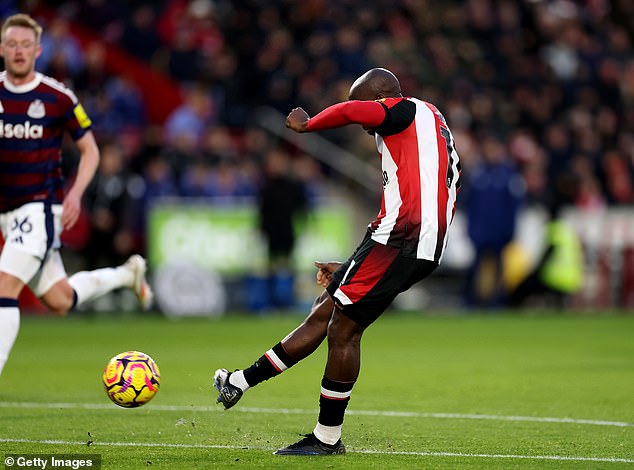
(342,370)
(20,260)
(360,298)
(10,288)
(16,269)
(371,282)
(297,345)
(25,234)
(18,264)
(61,294)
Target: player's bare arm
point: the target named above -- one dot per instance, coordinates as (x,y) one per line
(89,160)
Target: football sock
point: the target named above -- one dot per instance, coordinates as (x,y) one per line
(89,285)
(272,363)
(9,326)
(333,401)
(328,434)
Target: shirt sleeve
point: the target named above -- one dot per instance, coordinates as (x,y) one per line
(398,117)
(369,114)
(77,122)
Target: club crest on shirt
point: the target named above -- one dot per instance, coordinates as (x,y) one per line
(36,109)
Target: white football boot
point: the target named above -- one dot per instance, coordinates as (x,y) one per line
(143,291)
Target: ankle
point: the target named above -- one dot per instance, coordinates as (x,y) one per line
(329,435)
(237,380)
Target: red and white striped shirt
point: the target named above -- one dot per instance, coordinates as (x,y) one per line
(420,167)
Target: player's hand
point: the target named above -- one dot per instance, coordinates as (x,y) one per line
(297,120)
(325,270)
(72,208)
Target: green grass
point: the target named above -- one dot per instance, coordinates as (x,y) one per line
(442,376)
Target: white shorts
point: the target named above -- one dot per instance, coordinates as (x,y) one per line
(31,249)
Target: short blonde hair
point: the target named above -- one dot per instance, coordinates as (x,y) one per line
(22,20)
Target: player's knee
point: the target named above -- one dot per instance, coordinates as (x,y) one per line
(59,308)
(59,299)
(10,286)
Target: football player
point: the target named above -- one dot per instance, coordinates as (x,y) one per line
(402,246)
(35,113)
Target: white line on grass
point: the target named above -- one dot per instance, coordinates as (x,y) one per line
(355,451)
(399,414)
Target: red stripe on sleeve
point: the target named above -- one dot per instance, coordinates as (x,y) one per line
(367,113)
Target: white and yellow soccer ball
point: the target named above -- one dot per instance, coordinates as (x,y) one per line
(131,379)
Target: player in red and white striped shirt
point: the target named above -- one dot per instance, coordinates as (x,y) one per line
(403,245)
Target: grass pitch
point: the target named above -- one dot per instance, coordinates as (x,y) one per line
(447,391)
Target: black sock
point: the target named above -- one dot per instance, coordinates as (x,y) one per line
(272,363)
(333,401)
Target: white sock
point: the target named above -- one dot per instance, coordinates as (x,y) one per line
(9,326)
(237,379)
(328,434)
(89,285)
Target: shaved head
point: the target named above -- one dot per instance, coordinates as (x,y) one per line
(375,84)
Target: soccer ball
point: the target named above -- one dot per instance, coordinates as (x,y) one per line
(131,379)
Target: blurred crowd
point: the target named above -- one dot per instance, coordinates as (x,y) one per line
(542,88)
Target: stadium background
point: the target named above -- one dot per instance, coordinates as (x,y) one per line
(188,97)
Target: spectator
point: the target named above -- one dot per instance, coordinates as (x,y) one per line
(109,203)
(618,178)
(159,181)
(104,17)
(186,126)
(60,46)
(139,36)
(281,200)
(218,145)
(494,193)
(126,109)
(93,76)
(196,180)
(228,183)
(559,271)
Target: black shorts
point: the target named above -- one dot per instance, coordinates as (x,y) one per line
(367,283)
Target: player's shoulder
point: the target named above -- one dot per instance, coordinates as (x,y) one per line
(400,112)
(434,110)
(390,102)
(58,88)
(402,102)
